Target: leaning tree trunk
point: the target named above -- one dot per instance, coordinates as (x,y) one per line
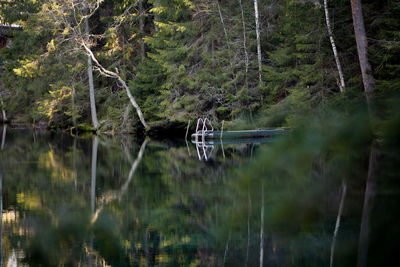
(115,75)
(362,49)
(335,53)
(258,39)
(90,75)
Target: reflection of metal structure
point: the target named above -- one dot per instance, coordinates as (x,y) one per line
(204,151)
(205,137)
(203,131)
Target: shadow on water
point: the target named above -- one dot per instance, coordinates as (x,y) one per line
(319,196)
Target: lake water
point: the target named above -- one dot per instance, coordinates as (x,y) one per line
(298,200)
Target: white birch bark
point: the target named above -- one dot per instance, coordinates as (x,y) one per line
(258,39)
(114,75)
(90,75)
(335,53)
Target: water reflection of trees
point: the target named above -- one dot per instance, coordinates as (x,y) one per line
(150,203)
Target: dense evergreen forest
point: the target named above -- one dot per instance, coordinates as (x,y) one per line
(124,65)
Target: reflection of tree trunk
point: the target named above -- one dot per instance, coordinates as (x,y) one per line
(135,164)
(146,247)
(248,230)
(93,193)
(1,218)
(344,189)
(226,248)
(74,162)
(94,166)
(369,196)
(3,138)
(262,227)
(124,187)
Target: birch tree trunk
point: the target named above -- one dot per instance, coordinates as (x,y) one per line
(258,39)
(115,75)
(246,55)
(362,49)
(90,75)
(335,53)
(141,27)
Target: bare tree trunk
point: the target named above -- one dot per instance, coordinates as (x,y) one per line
(114,75)
(362,49)
(156,15)
(369,195)
(246,55)
(90,75)
(335,53)
(141,27)
(258,39)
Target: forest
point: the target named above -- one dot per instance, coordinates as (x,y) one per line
(91,92)
(117,66)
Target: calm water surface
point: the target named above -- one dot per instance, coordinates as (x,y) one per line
(102,201)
